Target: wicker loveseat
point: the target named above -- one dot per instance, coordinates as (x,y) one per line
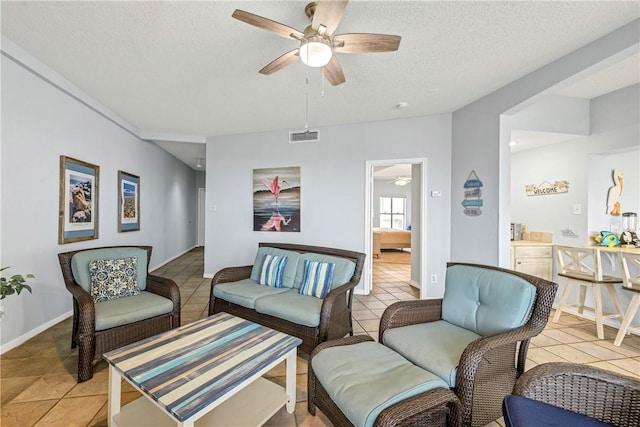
(99,327)
(235,290)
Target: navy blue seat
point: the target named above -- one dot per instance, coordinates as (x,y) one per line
(521,411)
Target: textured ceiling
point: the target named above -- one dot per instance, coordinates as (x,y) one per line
(182,67)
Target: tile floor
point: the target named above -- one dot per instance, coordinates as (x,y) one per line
(38,378)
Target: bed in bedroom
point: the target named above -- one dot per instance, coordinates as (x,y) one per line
(386,238)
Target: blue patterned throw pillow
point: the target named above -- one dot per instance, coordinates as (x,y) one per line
(317,278)
(113,278)
(272,270)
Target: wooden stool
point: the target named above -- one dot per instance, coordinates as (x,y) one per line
(582,266)
(631,282)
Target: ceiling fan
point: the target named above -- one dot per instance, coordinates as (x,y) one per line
(317,42)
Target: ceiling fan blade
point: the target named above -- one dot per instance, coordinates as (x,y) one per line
(333,72)
(328,13)
(365,43)
(267,24)
(281,62)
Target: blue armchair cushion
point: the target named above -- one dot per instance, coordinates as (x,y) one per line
(122,311)
(366,378)
(289,273)
(80,263)
(113,278)
(291,306)
(434,346)
(244,292)
(342,272)
(520,411)
(272,270)
(486,301)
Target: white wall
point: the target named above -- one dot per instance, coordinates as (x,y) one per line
(333,187)
(40,122)
(478,144)
(586,163)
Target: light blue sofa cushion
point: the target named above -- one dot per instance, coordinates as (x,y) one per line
(291,306)
(80,264)
(486,301)
(342,272)
(366,378)
(434,346)
(122,311)
(289,270)
(244,292)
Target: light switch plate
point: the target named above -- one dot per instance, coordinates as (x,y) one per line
(577,209)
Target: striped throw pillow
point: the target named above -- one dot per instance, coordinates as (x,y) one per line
(317,278)
(272,270)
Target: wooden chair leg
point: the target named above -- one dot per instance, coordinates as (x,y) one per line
(597,297)
(563,301)
(581,298)
(634,304)
(616,301)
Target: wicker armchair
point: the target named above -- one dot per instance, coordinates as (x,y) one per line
(594,392)
(92,343)
(489,366)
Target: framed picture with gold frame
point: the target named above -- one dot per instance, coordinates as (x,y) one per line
(128,202)
(78,213)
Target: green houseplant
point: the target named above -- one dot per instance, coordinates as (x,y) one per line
(14,284)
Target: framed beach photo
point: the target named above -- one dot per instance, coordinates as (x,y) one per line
(128,202)
(78,213)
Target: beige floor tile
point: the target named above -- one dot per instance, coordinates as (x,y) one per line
(572,354)
(542,355)
(597,351)
(25,414)
(632,366)
(611,367)
(561,336)
(98,385)
(47,388)
(72,412)
(11,387)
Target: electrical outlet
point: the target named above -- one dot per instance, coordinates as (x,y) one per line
(434,278)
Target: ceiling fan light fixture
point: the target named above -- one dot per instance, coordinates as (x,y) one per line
(315,51)
(402,181)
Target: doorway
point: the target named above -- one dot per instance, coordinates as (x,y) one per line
(394,222)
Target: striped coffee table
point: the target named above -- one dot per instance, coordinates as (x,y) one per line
(208,373)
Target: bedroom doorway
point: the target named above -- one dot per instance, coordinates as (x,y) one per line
(393,223)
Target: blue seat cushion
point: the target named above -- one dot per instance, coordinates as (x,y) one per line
(342,272)
(486,301)
(122,311)
(289,273)
(520,411)
(292,306)
(245,292)
(80,263)
(366,378)
(434,346)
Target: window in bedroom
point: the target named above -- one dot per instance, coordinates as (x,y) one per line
(392,212)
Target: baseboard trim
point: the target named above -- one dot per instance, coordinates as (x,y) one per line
(32,333)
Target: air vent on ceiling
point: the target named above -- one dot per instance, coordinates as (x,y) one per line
(305,136)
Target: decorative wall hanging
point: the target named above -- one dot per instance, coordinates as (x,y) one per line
(128,202)
(78,213)
(567,232)
(613,205)
(547,188)
(472,195)
(276,199)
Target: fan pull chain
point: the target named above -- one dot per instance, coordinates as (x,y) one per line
(306,117)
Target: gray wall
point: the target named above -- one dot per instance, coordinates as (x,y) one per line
(586,163)
(333,187)
(39,123)
(478,144)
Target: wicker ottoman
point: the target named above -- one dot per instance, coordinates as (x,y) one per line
(358,382)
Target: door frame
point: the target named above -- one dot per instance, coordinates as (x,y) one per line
(368,220)
(200,232)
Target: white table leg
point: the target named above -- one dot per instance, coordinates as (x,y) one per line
(113,406)
(291,380)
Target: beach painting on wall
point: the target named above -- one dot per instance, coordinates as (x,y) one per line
(128,202)
(276,199)
(78,212)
